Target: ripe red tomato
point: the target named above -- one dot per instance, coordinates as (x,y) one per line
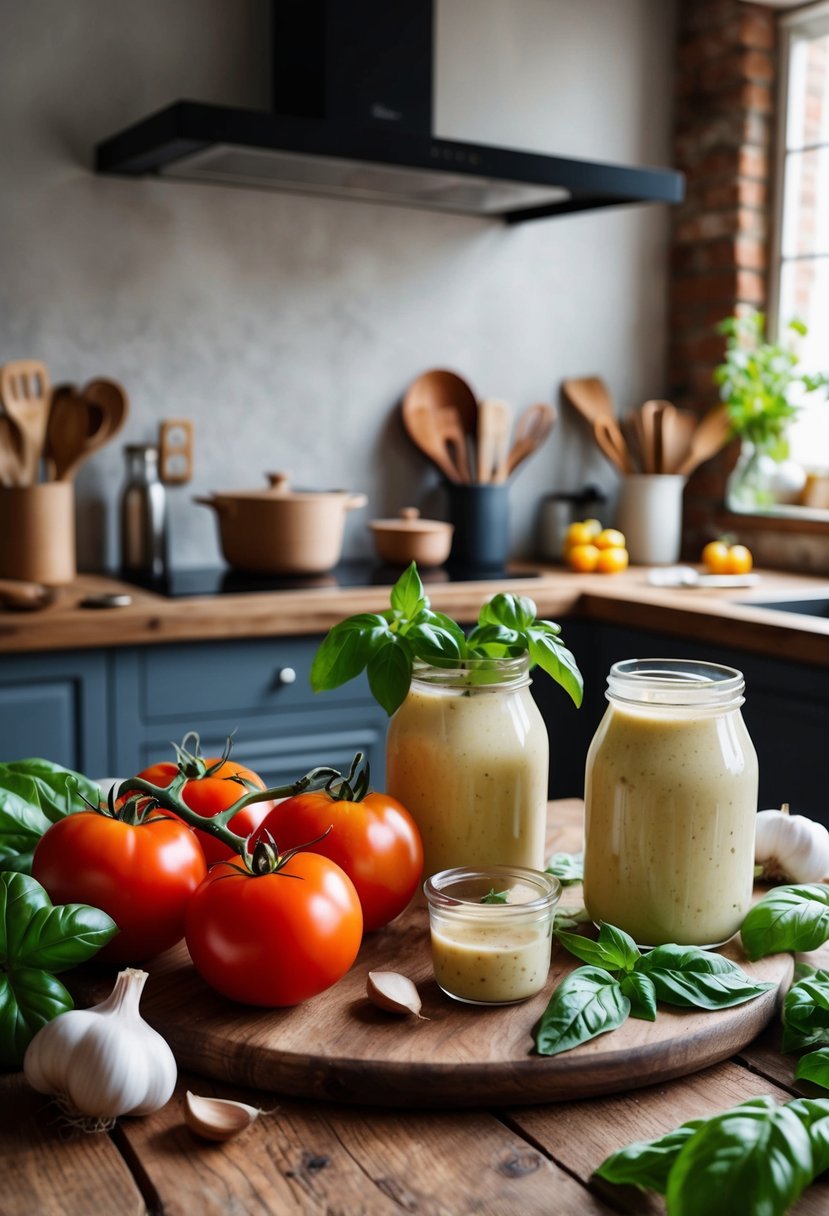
(268,939)
(143,875)
(374,839)
(211,794)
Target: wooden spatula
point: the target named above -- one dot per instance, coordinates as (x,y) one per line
(532,429)
(589,395)
(494,425)
(711,434)
(25,392)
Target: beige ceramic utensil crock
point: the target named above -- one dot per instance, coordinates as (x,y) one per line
(412,539)
(282,531)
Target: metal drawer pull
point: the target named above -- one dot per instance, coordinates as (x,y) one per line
(286,675)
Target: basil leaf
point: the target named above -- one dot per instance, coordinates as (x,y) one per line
(694,978)
(647,1163)
(442,621)
(568,868)
(37,939)
(794,918)
(495,639)
(814,1067)
(21,826)
(407,594)
(750,1159)
(390,674)
(806,1012)
(552,656)
(58,791)
(588,1002)
(614,949)
(36,934)
(495,897)
(346,649)
(813,1113)
(641,993)
(431,640)
(513,611)
(29,998)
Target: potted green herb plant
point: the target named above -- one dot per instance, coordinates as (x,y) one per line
(762,390)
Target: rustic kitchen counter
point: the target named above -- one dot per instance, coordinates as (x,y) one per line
(311,1156)
(714,616)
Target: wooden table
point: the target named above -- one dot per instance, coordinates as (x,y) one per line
(313,1157)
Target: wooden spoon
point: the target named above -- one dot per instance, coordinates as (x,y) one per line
(11,471)
(22,596)
(440,415)
(534,425)
(677,428)
(711,434)
(589,395)
(82,422)
(24,389)
(610,439)
(494,424)
(651,414)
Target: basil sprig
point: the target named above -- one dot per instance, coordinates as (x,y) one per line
(788,918)
(756,1157)
(37,940)
(568,868)
(619,981)
(385,645)
(34,794)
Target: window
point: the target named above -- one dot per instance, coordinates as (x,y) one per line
(800,271)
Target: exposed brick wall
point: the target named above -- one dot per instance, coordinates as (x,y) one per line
(726,69)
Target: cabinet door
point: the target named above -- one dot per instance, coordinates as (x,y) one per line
(54,706)
(256,691)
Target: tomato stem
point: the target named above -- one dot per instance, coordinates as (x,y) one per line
(135,790)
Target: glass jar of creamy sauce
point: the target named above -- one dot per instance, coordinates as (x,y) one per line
(467,754)
(670,804)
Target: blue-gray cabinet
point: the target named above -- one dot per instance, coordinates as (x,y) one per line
(112,712)
(56,706)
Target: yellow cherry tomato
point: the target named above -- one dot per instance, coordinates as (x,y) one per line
(612,561)
(582,532)
(610,538)
(721,558)
(583,558)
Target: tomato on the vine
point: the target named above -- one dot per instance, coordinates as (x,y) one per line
(143,874)
(274,938)
(372,837)
(210,790)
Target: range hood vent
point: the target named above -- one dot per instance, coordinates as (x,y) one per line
(353,117)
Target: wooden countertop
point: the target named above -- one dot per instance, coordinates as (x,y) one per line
(716,616)
(315,1157)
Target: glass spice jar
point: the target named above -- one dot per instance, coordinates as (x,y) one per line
(467,753)
(670,804)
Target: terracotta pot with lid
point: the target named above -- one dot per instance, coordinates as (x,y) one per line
(282,531)
(412,539)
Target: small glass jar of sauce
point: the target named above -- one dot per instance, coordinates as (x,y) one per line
(491,929)
(670,804)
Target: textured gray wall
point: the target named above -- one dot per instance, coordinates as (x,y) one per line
(288,327)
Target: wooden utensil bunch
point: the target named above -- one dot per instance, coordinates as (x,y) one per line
(48,432)
(471,441)
(656,438)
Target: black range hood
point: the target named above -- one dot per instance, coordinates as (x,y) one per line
(352,117)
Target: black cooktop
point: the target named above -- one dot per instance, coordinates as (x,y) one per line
(221,580)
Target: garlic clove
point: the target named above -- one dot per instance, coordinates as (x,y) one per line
(393,992)
(217,1118)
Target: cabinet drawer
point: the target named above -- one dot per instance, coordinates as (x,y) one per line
(232,678)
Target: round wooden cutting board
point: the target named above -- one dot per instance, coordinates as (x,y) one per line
(339,1047)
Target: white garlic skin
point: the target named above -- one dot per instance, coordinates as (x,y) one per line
(106,1061)
(791,847)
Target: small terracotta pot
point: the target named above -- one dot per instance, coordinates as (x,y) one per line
(412,539)
(279,531)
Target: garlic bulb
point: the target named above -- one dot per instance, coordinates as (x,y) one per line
(791,847)
(105,1061)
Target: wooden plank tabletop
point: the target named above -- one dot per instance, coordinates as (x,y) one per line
(314,1157)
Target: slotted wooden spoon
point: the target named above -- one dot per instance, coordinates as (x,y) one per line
(611,441)
(25,392)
